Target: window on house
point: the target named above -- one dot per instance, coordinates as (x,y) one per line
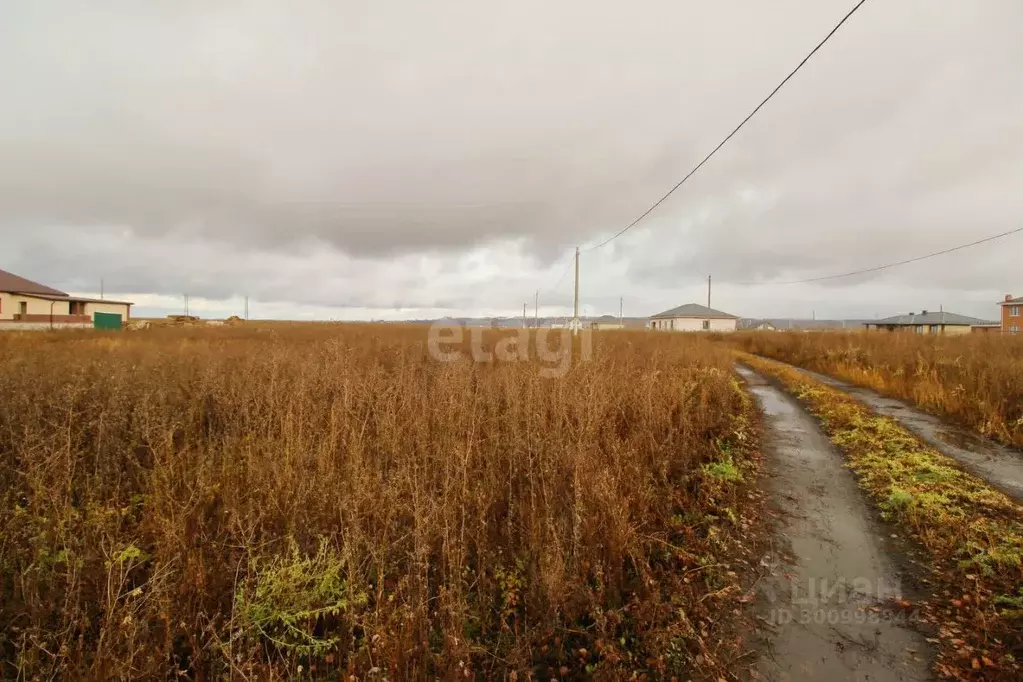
(1014,311)
(23,308)
(935,329)
(1014,329)
(706,325)
(673,325)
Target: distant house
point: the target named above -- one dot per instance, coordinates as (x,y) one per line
(807,325)
(1012,319)
(926,323)
(757,325)
(693,317)
(24,303)
(606,322)
(596,323)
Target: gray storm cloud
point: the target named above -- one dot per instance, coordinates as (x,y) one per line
(398,154)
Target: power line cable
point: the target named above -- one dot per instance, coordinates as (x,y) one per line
(864,271)
(889,265)
(731,134)
(562,278)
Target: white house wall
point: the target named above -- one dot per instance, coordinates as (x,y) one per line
(694,324)
(121,309)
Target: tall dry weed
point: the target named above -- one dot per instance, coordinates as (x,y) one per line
(308,501)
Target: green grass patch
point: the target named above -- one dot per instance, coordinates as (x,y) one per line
(724,470)
(295,601)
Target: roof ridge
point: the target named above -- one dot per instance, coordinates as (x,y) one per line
(16,284)
(932,317)
(695,310)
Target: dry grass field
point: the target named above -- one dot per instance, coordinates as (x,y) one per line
(325,501)
(975,381)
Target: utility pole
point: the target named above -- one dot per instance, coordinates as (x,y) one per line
(536,309)
(621,312)
(575,319)
(708,291)
(525,324)
(101,288)
(186,305)
(246,307)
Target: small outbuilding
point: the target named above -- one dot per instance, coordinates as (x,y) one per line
(757,325)
(693,317)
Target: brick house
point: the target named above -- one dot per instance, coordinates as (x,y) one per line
(1012,315)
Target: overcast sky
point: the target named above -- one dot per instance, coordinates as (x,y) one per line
(401,159)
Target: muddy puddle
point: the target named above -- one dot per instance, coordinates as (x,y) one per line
(824,608)
(1000,466)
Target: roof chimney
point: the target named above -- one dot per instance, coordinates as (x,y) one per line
(924,312)
(1008,297)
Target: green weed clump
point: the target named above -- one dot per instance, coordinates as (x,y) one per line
(289,601)
(972,534)
(723,470)
(324,501)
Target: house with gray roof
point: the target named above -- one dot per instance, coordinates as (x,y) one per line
(693,317)
(926,323)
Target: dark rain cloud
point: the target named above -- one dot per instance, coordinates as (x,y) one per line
(418,155)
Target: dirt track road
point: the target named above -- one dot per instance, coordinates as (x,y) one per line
(824,605)
(1000,466)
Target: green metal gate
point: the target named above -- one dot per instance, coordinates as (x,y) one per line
(106,320)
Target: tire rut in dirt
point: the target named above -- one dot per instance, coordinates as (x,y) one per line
(1000,466)
(824,604)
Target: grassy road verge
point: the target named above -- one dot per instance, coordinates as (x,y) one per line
(971,535)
